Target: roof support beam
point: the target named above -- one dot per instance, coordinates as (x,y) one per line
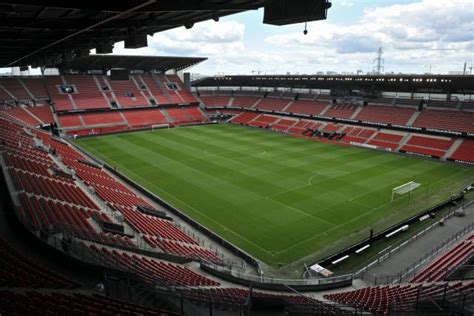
(123,6)
(143,4)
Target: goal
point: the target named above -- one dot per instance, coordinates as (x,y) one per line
(159,126)
(405,188)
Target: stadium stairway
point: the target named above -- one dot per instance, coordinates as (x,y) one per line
(36,87)
(370,138)
(147,94)
(288,106)
(403,141)
(26,89)
(6,94)
(413,118)
(144,93)
(33,115)
(124,119)
(163,90)
(99,88)
(453,148)
(254,106)
(356,112)
(325,110)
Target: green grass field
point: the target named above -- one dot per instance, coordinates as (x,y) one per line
(280,198)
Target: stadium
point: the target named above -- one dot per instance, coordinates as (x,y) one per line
(130,187)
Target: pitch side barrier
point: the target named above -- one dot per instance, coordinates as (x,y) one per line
(230,247)
(431,131)
(351,250)
(273,284)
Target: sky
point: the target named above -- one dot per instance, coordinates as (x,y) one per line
(417,36)
(423,36)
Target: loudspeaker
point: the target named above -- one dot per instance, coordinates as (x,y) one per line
(119,74)
(282,12)
(136,41)
(104,48)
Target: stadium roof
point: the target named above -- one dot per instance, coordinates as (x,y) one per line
(106,62)
(389,82)
(32,32)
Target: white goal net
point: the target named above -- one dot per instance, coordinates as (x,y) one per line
(405,188)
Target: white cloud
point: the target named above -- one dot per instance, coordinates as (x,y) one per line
(346,3)
(222,42)
(413,35)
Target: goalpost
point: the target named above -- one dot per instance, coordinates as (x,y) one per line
(159,126)
(405,188)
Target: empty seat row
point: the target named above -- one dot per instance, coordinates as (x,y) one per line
(236,296)
(56,217)
(430,142)
(152,270)
(182,249)
(20,271)
(214,101)
(435,153)
(244,117)
(22,89)
(451,120)
(273,104)
(465,151)
(153,226)
(386,114)
(21,114)
(378,299)
(245,101)
(341,111)
(440,268)
(51,188)
(35,302)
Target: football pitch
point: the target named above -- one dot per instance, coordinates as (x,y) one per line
(279,198)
